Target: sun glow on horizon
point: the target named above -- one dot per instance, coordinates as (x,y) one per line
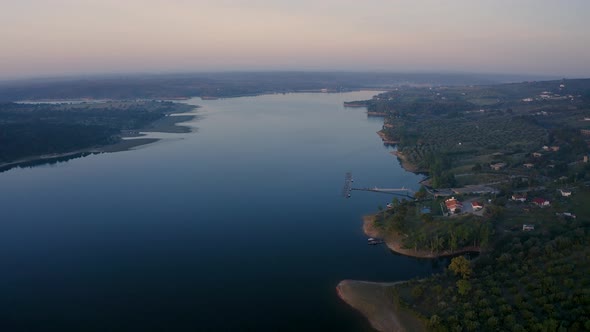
(69,37)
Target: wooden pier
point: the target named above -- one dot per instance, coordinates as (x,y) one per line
(347,185)
(347,189)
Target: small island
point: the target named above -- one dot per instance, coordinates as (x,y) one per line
(509,180)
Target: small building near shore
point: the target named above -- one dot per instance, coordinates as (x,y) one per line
(566,215)
(541,202)
(476,206)
(497,166)
(519,197)
(527,228)
(453,205)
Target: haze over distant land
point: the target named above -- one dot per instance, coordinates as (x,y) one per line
(68,37)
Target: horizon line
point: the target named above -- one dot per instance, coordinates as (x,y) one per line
(104,75)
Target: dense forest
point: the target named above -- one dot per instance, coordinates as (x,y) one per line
(531,281)
(423,232)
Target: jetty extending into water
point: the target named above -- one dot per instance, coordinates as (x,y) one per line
(347,188)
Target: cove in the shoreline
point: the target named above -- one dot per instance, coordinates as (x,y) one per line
(378,301)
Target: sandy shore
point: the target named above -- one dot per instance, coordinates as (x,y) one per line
(395,243)
(378,302)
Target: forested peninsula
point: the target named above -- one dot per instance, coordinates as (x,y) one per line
(509,178)
(33,133)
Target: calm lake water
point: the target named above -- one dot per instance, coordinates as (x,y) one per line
(239,226)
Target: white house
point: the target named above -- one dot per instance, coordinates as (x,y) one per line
(519,198)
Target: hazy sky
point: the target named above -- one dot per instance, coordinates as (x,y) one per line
(55,37)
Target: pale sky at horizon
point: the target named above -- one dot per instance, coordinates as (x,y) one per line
(68,37)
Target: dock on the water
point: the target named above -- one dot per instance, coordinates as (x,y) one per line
(347,185)
(393,191)
(347,189)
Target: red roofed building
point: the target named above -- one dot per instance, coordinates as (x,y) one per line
(541,202)
(476,206)
(453,205)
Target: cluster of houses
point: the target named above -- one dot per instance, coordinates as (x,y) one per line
(542,202)
(496,166)
(455,206)
(538,201)
(546,148)
(569,215)
(547,95)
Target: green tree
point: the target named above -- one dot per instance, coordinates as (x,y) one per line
(421,194)
(427,217)
(434,321)
(463,286)
(417,291)
(460,266)
(453,241)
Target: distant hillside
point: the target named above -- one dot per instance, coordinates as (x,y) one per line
(229,84)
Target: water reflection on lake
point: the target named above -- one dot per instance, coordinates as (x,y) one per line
(239,226)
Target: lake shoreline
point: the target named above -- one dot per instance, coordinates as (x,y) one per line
(127,142)
(395,243)
(377,301)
